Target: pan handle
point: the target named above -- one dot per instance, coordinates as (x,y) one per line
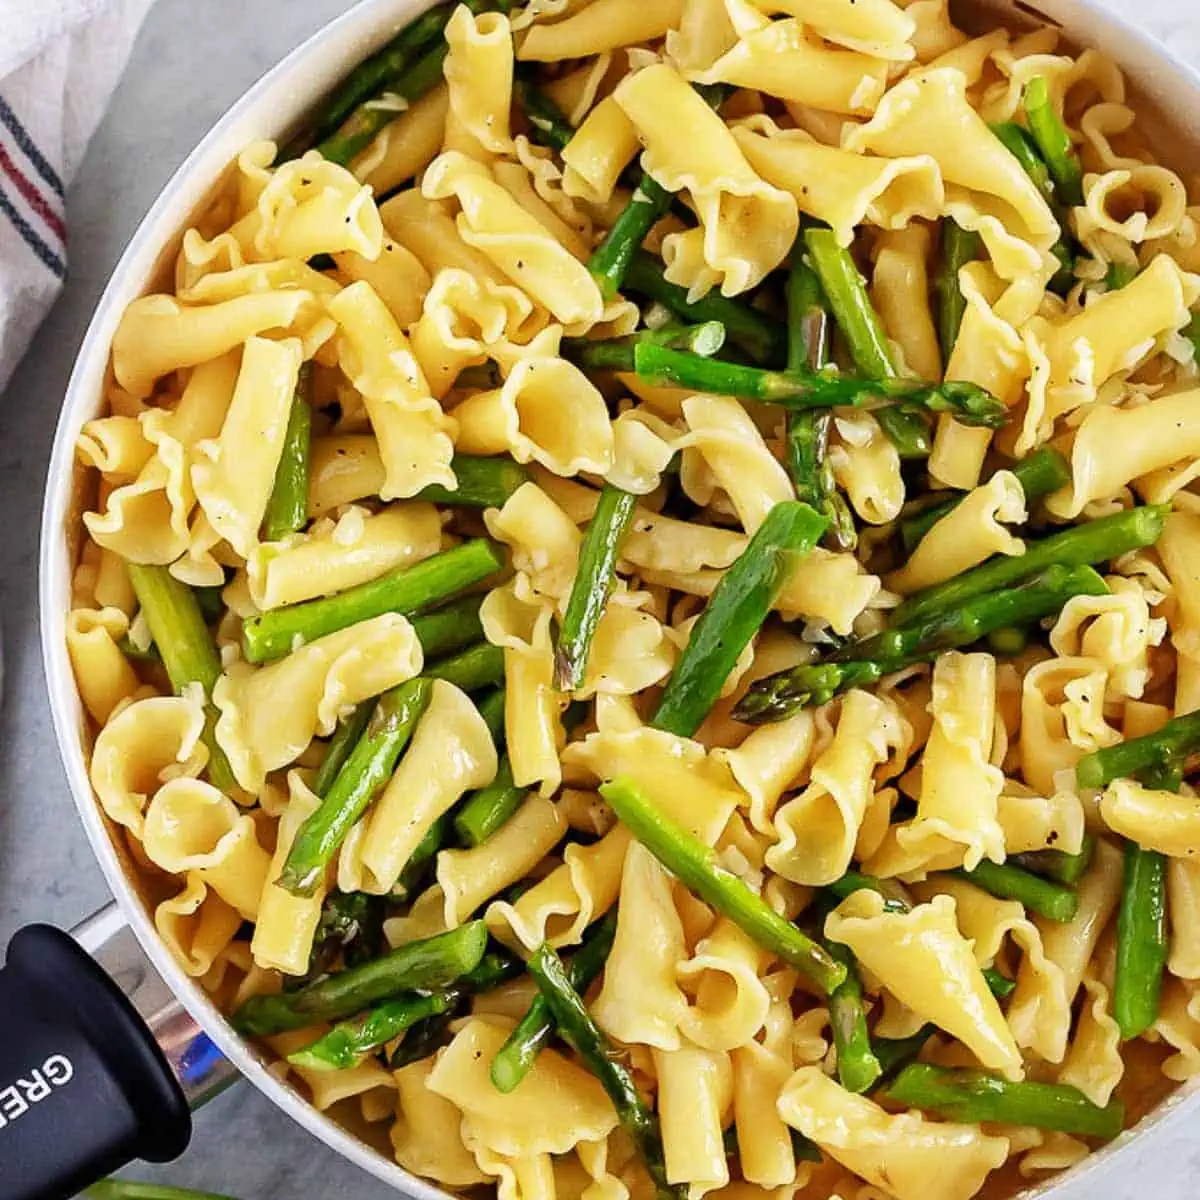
(99,1063)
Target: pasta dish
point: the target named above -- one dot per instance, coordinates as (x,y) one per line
(639,601)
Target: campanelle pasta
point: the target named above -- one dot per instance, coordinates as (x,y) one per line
(660,554)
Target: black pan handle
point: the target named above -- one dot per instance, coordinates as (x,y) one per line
(85,1085)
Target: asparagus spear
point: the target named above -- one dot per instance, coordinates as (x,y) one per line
(959,247)
(1040,473)
(535,1029)
(778,696)
(1054,901)
(808,432)
(761,337)
(618,354)
(1141,941)
(187,648)
(1008,641)
(907,428)
(345,737)
(846,291)
(822,389)
(894,1053)
(1096,542)
(960,1094)
(369,118)
(697,868)
(422,856)
(429,963)
(547,121)
(853,882)
(482,482)
(132,1189)
(577,1027)
(403,590)
(374,74)
(490,807)
(999,985)
(857,1066)
(491,709)
(350,928)
(478,667)
(1056,864)
(739,604)
(1053,141)
(368,767)
(594,580)
(1020,144)
(287,508)
(451,627)
(1173,743)
(612,260)
(350,1041)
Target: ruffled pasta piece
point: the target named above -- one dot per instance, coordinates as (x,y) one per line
(782,59)
(1039,1011)
(406,145)
(1113,333)
(877,27)
(987,190)
(765,1152)
(1116,631)
(768,762)
(659,543)
(738,457)
(599,150)
(115,446)
(558,908)
(327,1088)
(925,962)
(197,926)
(308,207)
(522,248)
(901,295)
(468,878)
(1137,204)
(282,274)
(320,680)
(544,541)
(1062,718)
(704,33)
(695,1089)
(520,624)
(102,673)
(730,1001)
(192,827)
(597,27)
(817,829)
(960,789)
(1179,549)
(905,1155)
(1178,1025)
(643,446)
(359,547)
(235,472)
(415,437)
(867,466)
(450,753)
(158,335)
(1114,446)
(748,226)
(640,1001)
(397,275)
(463,316)
(286,924)
(343,468)
(479,74)
(548,412)
(1093,1063)
(1183,903)
(142,746)
(631,650)
(965,537)
(1168,822)
(534,182)
(426,1137)
(691,786)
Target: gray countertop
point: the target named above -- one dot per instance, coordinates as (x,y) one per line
(192,60)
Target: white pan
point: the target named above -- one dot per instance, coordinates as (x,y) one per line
(86,1083)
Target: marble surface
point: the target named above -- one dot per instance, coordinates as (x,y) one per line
(191,61)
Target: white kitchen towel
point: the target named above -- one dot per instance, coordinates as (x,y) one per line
(59,62)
